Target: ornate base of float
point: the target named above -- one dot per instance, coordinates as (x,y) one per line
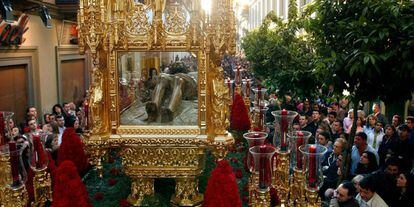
(42,185)
(281,176)
(96,146)
(297,194)
(151,157)
(10,197)
(312,198)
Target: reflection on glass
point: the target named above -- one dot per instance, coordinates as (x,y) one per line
(158,88)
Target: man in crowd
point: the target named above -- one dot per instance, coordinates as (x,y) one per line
(61,124)
(344,196)
(410,124)
(376,108)
(368,196)
(360,145)
(375,136)
(337,129)
(404,149)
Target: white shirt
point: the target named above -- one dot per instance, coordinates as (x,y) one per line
(375,138)
(375,201)
(61,130)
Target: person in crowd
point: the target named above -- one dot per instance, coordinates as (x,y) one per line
(360,125)
(348,121)
(315,121)
(404,149)
(337,129)
(61,124)
(344,196)
(371,122)
(330,165)
(375,137)
(331,117)
(360,146)
(367,196)
(410,123)
(376,108)
(46,118)
(386,148)
(51,143)
(385,180)
(52,117)
(31,112)
(367,163)
(405,184)
(78,128)
(303,121)
(342,111)
(306,109)
(288,104)
(356,181)
(57,110)
(324,138)
(396,121)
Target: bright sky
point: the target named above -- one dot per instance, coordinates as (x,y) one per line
(206,4)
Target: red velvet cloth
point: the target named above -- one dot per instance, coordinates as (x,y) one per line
(71,149)
(69,191)
(222,188)
(239,119)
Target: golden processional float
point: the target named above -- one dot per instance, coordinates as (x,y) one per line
(158,91)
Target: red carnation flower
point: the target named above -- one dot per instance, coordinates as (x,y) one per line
(114,171)
(112,181)
(124,203)
(239,173)
(72,149)
(245,199)
(69,190)
(222,188)
(239,118)
(98,196)
(234,159)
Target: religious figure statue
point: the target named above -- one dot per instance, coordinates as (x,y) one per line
(220,102)
(96,100)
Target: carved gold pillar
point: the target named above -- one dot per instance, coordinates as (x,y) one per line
(140,187)
(186,193)
(312,198)
(42,187)
(281,179)
(96,147)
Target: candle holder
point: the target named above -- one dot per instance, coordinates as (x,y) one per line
(38,162)
(229,84)
(253,139)
(262,156)
(283,124)
(297,194)
(259,93)
(13,176)
(259,118)
(312,167)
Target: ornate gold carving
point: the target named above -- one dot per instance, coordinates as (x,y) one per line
(158,130)
(176,19)
(140,187)
(312,198)
(42,187)
(12,197)
(281,176)
(186,193)
(297,191)
(220,102)
(96,101)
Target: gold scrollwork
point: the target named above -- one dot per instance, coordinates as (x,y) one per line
(176,19)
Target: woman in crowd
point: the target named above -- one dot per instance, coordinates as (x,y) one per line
(405,184)
(367,164)
(386,148)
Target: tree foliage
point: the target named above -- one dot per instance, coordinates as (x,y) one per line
(282,56)
(367,45)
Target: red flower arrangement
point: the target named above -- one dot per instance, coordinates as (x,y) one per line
(124,203)
(221,188)
(72,149)
(239,119)
(112,182)
(114,171)
(98,196)
(68,188)
(239,173)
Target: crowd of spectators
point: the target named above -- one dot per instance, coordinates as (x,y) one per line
(381,155)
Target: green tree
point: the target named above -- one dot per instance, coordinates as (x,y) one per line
(368,47)
(281,55)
